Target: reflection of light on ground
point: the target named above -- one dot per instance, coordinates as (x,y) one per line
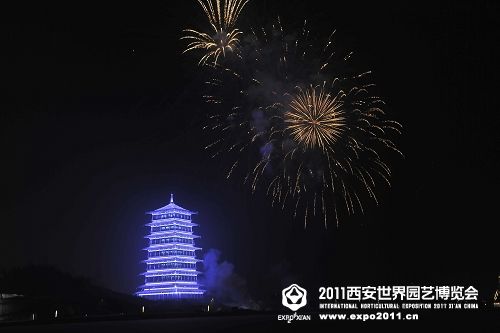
(496,298)
(6,305)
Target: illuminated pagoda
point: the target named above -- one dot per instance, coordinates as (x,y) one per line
(171,264)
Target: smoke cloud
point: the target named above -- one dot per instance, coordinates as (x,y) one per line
(223,284)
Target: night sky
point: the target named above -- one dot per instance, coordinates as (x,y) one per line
(102,121)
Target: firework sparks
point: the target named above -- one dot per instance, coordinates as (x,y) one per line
(296,122)
(224,37)
(316,118)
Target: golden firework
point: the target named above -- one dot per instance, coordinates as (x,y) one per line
(318,148)
(315,118)
(223,37)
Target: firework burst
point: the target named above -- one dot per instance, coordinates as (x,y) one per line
(224,37)
(316,118)
(296,122)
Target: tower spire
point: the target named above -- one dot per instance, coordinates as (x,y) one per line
(171,198)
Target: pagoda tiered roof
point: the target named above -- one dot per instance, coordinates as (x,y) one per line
(171,208)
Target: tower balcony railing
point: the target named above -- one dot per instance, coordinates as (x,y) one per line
(170,259)
(172,264)
(165,271)
(172,246)
(178,284)
(169,253)
(171,221)
(174,276)
(171,233)
(170,295)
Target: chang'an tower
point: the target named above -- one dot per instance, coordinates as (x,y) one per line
(171,263)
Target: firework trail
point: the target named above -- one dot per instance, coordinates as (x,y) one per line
(299,124)
(224,37)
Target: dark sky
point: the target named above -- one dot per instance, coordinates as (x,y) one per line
(102,118)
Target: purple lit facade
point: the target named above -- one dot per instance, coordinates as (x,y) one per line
(171,264)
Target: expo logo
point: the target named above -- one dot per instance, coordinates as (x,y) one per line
(294,297)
